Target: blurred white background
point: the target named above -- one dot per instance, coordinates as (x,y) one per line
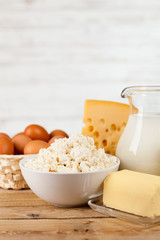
(56,54)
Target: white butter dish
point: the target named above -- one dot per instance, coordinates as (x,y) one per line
(97,205)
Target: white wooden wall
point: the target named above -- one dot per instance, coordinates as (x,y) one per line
(56,54)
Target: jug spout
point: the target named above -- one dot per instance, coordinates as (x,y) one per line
(124,92)
(129,91)
(143,99)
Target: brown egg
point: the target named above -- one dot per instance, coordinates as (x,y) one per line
(34,146)
(20,133)
(52,140)
(36,132)
(4,135)
(6,146)
(58,132)
(20,142)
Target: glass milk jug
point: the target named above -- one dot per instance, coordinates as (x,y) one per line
(139,145)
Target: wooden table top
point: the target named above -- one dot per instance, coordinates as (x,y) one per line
(25,216)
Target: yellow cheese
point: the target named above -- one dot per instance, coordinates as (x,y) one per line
(133,192)
(105,122)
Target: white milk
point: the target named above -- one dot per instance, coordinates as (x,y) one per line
(139,145)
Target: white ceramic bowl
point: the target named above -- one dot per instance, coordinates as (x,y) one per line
(66,189)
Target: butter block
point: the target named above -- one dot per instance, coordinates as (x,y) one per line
(133,192)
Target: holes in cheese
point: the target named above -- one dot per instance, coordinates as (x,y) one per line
(124,124)
(104,142)
(96,144)
(105,122)
(96,134)
(102,121)
(90,128)
(113,127)
(119,128)
(89,120)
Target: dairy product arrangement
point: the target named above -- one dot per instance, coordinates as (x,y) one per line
(137,147)
(74,168)
(74,154)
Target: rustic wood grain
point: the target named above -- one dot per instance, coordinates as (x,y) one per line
(20,198)
(47,212)
(75,229)
(25,216)
(25,204)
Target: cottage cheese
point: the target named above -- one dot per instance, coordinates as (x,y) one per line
(75,154)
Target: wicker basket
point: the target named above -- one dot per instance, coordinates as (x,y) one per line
(10,173)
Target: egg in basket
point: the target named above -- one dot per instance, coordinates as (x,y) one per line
(12,150)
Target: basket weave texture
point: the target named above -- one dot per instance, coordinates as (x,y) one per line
(10,173)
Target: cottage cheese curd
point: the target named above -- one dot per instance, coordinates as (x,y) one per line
(75,154)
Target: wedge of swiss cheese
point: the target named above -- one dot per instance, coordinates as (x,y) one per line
(105,122)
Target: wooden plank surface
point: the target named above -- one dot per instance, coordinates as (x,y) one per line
(48,212)
(24,216)
(90,228)
(20,198)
